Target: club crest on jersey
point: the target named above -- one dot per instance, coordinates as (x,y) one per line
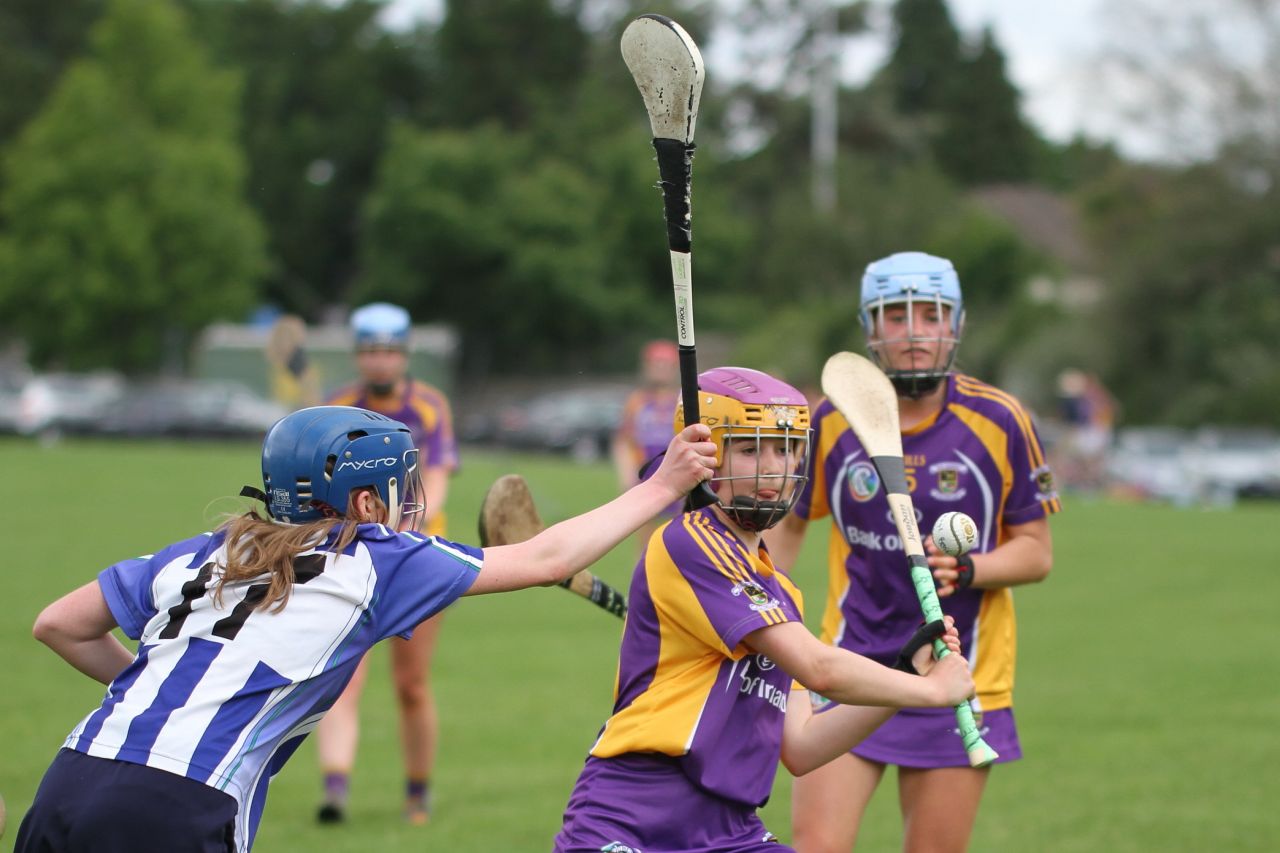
(948,486)
(619,847)
(864,482)
(1046,488)
(760,600)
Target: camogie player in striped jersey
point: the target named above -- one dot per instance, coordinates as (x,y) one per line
(968,446)
(248,634)
(705,703)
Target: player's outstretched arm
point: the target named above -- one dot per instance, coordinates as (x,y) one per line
(852,679)
(78,627)
(565,549)
(811,740)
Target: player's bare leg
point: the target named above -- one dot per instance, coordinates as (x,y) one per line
(419,727)
(939,807)
(336,739)
(827,804)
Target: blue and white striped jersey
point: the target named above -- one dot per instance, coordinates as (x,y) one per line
(225,694)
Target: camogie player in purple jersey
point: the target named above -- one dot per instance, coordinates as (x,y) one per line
(646,421)
(247,635)
(381,333)
(968,447)
(715,659)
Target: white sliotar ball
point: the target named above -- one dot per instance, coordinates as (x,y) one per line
(955,533)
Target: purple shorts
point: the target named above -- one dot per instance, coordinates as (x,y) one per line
(645,804)
(927,738)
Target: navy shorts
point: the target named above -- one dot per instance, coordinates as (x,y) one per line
(105,806)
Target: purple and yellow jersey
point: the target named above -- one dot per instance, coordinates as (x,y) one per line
(425,411)
(647,422)
(980,455)
(687,686)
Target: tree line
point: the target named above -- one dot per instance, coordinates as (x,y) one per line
(167,163)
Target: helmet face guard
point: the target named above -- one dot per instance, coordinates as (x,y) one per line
(747,406)
(314,458)
(909,280)
(746,509)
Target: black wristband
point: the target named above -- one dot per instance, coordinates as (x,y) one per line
(924,635)
(964,571)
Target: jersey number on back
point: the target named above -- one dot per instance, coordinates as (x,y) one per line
(305,568)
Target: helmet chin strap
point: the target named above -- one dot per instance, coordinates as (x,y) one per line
(755,515)
(915,387)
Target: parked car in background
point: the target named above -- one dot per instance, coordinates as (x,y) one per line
(54,404)
(1211,465)
(190,408)
(12,381)
(1149,462)
(1228,463)
(579,422)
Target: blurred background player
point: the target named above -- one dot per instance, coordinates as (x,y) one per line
(248,634)
(294,380)
(1088,414)
(705,704)
(646,420)
(970,447)
(381,335)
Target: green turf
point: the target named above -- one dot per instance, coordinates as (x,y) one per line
(1146,695)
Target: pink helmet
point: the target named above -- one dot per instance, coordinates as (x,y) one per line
(740,404)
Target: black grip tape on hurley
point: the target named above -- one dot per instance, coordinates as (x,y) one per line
(675,168)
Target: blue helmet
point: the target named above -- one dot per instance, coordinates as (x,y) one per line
(910,278)
(313,458)
(380,325)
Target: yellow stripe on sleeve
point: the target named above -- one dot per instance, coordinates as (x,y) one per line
(690,652)
(705,537)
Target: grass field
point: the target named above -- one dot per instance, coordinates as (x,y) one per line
(1147,691)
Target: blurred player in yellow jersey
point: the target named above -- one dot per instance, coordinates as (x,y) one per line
(381,335)
(646,421)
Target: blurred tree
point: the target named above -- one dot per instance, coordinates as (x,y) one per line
(983,137)
(542,260)
(1189,248)
(1193,266)
(322,83)
(474,228)
(127,229)
(958,98)
(507,61)
(39,39)
(925,57)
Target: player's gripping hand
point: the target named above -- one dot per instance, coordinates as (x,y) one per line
(950,675)
(690,459)
(949,573)
(916,655)
(952,679)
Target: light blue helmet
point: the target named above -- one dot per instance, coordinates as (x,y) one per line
(912,278)
(380,325)
(313,458)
